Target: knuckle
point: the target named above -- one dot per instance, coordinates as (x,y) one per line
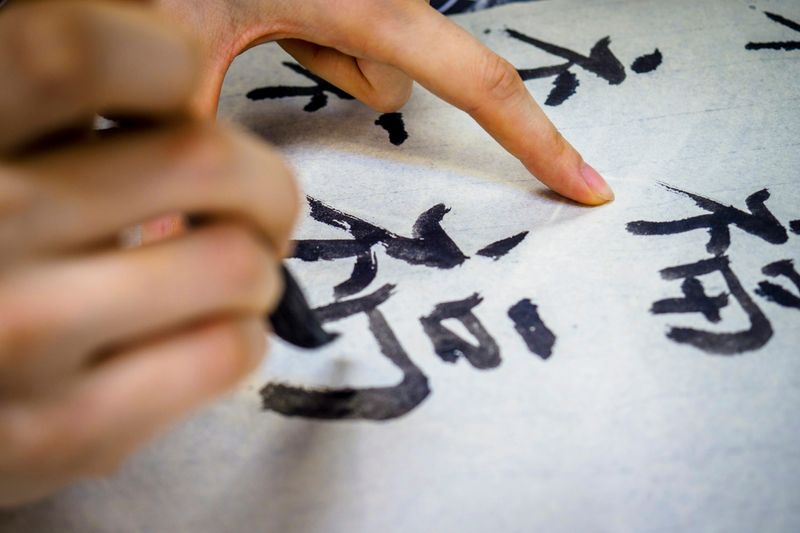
(20,330)
(559,148)
(238,257)
(550,144)
(51,50)
(18,215)
(278,184)
(17,196)
(30,441)
(209,153)
(499,80)
(237,347)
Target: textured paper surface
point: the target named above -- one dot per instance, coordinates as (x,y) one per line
(621,428)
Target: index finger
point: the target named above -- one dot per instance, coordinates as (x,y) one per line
(451,63)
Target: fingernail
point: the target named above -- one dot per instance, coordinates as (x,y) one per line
(596,183)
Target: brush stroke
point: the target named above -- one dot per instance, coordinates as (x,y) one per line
(394,126)
(317,92)
(774,292)
(778,45)
(537,336)
(364,272)
(371,403)
(647,62)
(498,249)
(728,343)
(429,245)
(449,346)
(759,221)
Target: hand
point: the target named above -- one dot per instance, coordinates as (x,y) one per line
(101,347)
(373,49)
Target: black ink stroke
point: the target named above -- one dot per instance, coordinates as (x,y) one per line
(346,308)
(647,62)
(695,300)
(774,292)
(374,403)
(601,61)
(728,343)
(428,246)
(498,249)
(449,346)
(537,336)
(364,272)
(317,92)
(794,225)
(759,222)
(394,126)
(564,86)
(778,45)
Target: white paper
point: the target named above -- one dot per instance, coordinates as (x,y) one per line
(621,428)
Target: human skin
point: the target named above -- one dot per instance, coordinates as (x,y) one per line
(102,347)
(373,49)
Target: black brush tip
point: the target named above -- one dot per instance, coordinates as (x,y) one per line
(294,321)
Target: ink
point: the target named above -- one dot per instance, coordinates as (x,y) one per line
(647,62)
(775,293)
(695,300)
(759,222)
(564,86)
(449,346)
(537,336)
(364,272)
(794,225)
(498,249)
(429,245)
(729,343)
(601,61)
(345,308)
(372,403)
(317,92)
(393,124)
(328,249)
(778,45)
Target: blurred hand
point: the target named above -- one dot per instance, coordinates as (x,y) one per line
(101,347)
(372,49)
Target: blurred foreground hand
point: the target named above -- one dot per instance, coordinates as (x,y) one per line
(101,347)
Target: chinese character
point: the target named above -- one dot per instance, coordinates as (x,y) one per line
(431,247)
(758,221)
(601,61)
(317,92)
(695,300)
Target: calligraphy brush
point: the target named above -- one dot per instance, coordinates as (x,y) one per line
(292,320)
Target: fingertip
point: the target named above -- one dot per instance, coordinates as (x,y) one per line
(567,174)
(599,188)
